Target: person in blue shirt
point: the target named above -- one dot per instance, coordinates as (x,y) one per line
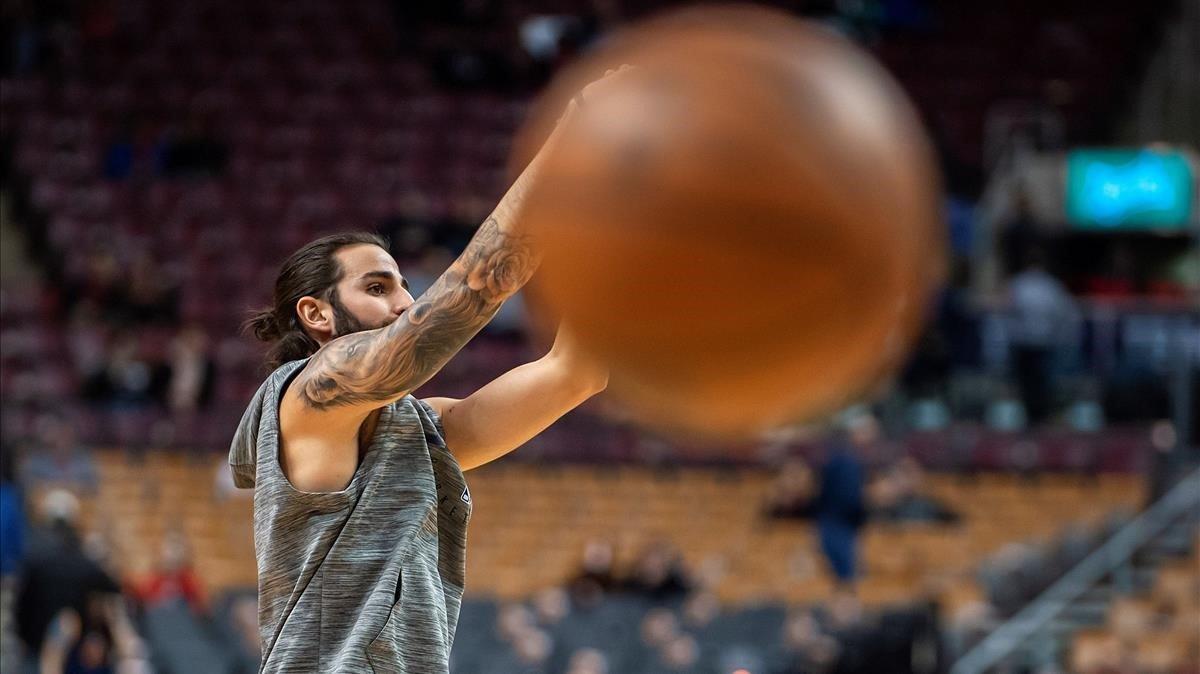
(839,508)
(12,518)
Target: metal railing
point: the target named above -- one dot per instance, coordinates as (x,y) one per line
(1182,499)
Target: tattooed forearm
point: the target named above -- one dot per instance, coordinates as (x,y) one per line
(379,365)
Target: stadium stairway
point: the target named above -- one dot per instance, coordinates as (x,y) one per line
(1138,609)
(1100,614)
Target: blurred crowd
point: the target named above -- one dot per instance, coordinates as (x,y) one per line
(70,610)
(675,623)
(74,601)
(136,358)
(1029,357)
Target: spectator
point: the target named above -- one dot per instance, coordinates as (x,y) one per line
(659,628)
(416,229)
(898,497)
(99,281)
(131,152)
(475,67)
(513,620)
(121,152)
(150,297)
(958,320)
(12,518)
(174,580)
(191,372)
(806,648)
(98,547)
(901,640)
(711,571)
(792,491)
(1020,231)
(588,661)
(24,37)
(103,644)
(1043,314)
(57,575)
(658,573)
(531,647)
(79,653)
(129,380)
(844,612)
(595,576)
(701,609)
(12,543)
(967,624)
(410,234)
(58,459)
(196,152)
(839,509)
(87,339)
(680,654)
(1118,280)
(551,606)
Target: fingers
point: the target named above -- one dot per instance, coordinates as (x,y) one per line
(579,100)
(599,83)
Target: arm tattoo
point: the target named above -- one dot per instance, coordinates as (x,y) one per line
(379,365)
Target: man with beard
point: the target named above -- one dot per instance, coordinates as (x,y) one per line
(360,504)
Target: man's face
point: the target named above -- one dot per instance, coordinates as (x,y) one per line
(371,294)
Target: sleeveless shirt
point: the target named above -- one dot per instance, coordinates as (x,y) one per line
(369,578)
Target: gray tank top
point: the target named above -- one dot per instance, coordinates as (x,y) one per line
(367,579)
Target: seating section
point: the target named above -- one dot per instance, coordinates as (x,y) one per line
(530,526)
(1074,58)
(333,121)
(328,128)
(1154,631)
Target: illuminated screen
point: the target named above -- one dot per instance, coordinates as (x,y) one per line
(1128,189)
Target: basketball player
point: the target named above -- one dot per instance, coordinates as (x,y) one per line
(360,505)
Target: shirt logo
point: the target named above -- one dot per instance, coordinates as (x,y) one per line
(466,495)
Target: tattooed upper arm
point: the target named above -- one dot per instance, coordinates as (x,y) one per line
(375,367)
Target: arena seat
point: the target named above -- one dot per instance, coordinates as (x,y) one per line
(530,524)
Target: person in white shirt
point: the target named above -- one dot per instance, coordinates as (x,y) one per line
(1044,316)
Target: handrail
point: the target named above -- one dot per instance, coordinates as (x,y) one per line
(1117,550)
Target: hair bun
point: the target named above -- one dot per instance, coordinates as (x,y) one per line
(264,326)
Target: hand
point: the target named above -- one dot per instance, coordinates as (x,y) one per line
(590,91)
(508,208)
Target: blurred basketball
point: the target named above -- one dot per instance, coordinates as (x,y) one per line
(744,225)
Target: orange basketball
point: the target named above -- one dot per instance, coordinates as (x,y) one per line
(744,225)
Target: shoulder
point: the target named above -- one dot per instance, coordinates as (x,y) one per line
(286,373)
(430,416)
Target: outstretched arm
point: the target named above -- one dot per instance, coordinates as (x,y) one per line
(519,404)
(323,410)
(359,372)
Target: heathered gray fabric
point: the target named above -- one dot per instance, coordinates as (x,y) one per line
(367,579)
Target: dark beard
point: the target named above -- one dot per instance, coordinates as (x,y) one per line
(347,324)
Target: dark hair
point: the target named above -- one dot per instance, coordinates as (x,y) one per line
(312,271)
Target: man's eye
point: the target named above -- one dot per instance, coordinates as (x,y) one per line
(375,289)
